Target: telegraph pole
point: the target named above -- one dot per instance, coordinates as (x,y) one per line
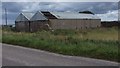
(6,16)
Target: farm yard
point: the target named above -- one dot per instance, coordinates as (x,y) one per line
(101,43)
(60,33)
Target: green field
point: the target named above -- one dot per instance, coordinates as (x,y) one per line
(101,43)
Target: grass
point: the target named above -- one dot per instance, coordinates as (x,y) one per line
(101,43)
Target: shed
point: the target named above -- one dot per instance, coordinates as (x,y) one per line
(22,22)
(74,20)
(56,20)
(38,22)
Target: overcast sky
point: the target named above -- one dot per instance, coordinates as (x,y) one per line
(107,11)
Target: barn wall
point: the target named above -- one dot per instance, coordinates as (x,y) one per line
(80,24)
(96,23)
(22,26)
(38,25)
(57,24)
(53,23)
(74,23)
(63,24)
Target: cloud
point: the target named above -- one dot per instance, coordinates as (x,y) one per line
(96,7)
(105,10)
(60,0)
(0,13)
(109,16)
(13,6)
(10,15)
(46,6)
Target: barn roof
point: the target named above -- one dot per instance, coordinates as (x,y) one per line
(74,15)
(24,16)
(38,16)
(28,15)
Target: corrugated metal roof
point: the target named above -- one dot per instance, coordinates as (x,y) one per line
(38,16)
(24,16)
(28,15)
(74,15)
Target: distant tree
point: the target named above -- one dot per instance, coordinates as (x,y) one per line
(87,12)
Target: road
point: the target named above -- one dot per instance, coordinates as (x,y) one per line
(21,56)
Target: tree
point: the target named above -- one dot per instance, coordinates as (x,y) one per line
(87,12)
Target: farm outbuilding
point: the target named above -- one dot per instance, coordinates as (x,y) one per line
(74,20)
(22,22)
(38,22)
(60,20)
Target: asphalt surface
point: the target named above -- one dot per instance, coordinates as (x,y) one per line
(21,56)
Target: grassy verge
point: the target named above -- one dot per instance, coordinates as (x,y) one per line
(70,42)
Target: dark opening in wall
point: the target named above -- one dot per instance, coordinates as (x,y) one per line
(48,15)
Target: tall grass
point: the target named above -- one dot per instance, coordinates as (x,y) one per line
(69,42)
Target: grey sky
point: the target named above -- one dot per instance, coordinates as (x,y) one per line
(105,10)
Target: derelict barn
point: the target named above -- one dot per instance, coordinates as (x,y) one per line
(38,22)
(59,20)
(74,20)
(22,22)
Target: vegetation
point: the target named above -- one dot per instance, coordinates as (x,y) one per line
(87,12)
(101,43)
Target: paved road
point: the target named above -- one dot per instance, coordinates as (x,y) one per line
(21,56)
